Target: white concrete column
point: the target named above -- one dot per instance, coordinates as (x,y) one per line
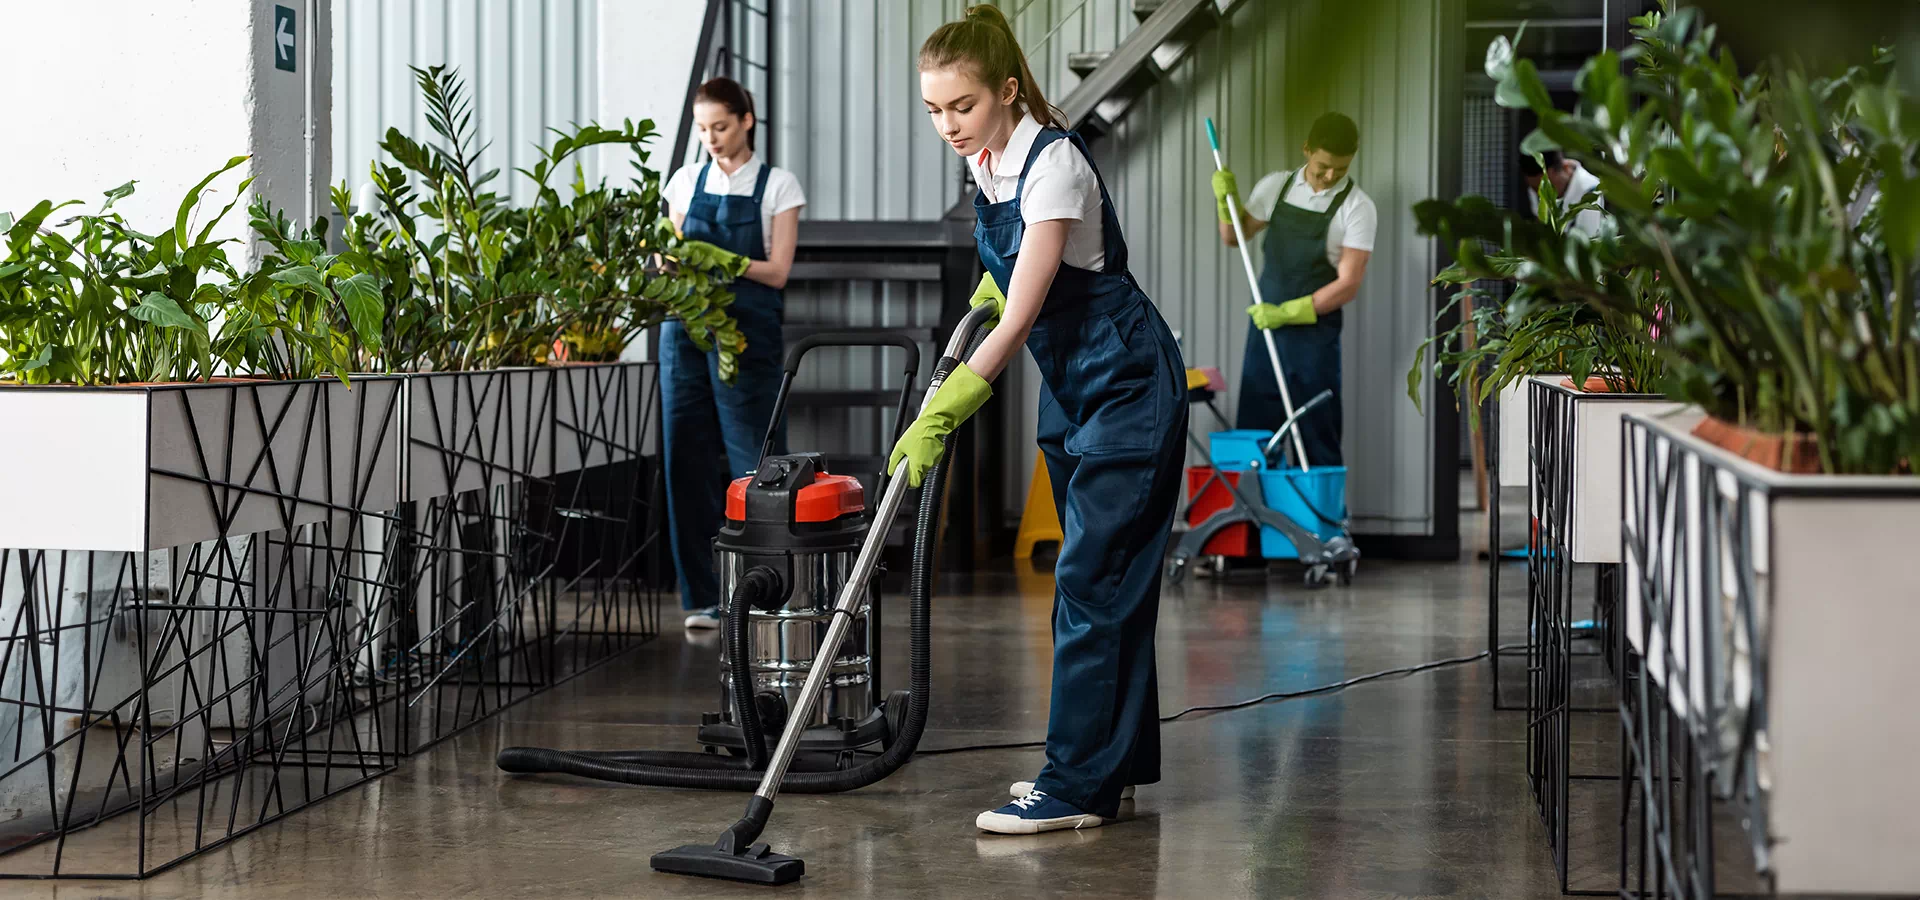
(107,91)
(646,55)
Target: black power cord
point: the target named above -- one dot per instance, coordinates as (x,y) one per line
(1275,697)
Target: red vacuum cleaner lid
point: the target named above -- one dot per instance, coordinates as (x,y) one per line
(828,498)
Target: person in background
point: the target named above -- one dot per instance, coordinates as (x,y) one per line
(1572,183)
(713,431)
(1319,236)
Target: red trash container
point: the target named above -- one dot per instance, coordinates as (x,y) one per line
(1235,540)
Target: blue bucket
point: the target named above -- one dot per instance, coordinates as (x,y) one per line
(1237,449)
(1316,500)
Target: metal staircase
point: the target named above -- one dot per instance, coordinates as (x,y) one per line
(1111,80)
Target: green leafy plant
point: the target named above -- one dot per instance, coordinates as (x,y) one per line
(1532,333)
(1780,213)
(89,300)
(315,312)
(498,285)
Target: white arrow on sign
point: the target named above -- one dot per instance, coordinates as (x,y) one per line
(283,39)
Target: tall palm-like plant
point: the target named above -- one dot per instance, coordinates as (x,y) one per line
(501,285)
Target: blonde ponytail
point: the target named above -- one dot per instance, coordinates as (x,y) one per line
(984,43)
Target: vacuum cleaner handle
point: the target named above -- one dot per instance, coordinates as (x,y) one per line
(812,342)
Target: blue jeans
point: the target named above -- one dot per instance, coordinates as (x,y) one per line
(701,417)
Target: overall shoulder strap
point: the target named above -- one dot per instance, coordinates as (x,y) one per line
(1342,199)
(1046,136)
(760,184)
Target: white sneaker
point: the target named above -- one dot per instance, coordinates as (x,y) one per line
(1035,813)
(1023,788)
(704,618)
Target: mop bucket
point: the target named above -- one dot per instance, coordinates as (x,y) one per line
(1315,499)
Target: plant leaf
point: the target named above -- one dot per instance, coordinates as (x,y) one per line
(161,310)
(307,276)
(366,308)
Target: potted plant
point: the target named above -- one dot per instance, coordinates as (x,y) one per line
(1564,372)
(162,397)
(1779,208)
(194,475)
(499,287)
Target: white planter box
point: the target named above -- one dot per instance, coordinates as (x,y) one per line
(1574,447)
(467,430)
(1821,571)
(146,468)
(1513,431)
(603,413)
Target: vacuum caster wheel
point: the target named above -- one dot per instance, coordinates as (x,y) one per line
(1176,570)
(1317,576)
(896,715)
(1347,571)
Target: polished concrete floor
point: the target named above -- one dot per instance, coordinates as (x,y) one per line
(1403,788)
(1406,787)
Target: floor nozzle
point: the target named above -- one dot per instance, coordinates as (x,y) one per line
(758,864)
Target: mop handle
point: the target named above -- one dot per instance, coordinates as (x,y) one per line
(1253,281)
(864,564)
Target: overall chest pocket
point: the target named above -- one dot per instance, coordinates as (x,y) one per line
(1113,387)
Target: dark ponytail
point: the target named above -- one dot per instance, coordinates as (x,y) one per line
(728,93)
(984,43)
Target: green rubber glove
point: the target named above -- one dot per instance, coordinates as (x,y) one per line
(960,396)
(699,252)
(1224,186)
(989,292)
(1268,316)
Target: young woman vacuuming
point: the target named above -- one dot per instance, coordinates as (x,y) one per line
(1112,412)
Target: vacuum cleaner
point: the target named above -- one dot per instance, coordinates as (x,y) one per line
(800,641)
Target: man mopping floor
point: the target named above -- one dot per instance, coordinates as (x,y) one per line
(1319,229)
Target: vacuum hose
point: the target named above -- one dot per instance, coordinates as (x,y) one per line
(689,769)
(759,584)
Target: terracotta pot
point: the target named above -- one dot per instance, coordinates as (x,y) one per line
(1764,448)
(1595,385)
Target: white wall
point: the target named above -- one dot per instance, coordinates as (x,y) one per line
(646,50)
(107,91)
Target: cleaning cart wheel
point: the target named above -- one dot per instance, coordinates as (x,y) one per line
(1347,572)
(1176,569)
(896,715)
(1317,576)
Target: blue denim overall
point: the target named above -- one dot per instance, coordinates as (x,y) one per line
(1296,251)
(700,413)
(1113,418)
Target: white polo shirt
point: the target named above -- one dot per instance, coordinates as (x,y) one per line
(783,191)
(1583,182)
(1353,226)
(1061,185)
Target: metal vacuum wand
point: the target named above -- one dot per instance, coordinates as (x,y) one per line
(1253,281)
